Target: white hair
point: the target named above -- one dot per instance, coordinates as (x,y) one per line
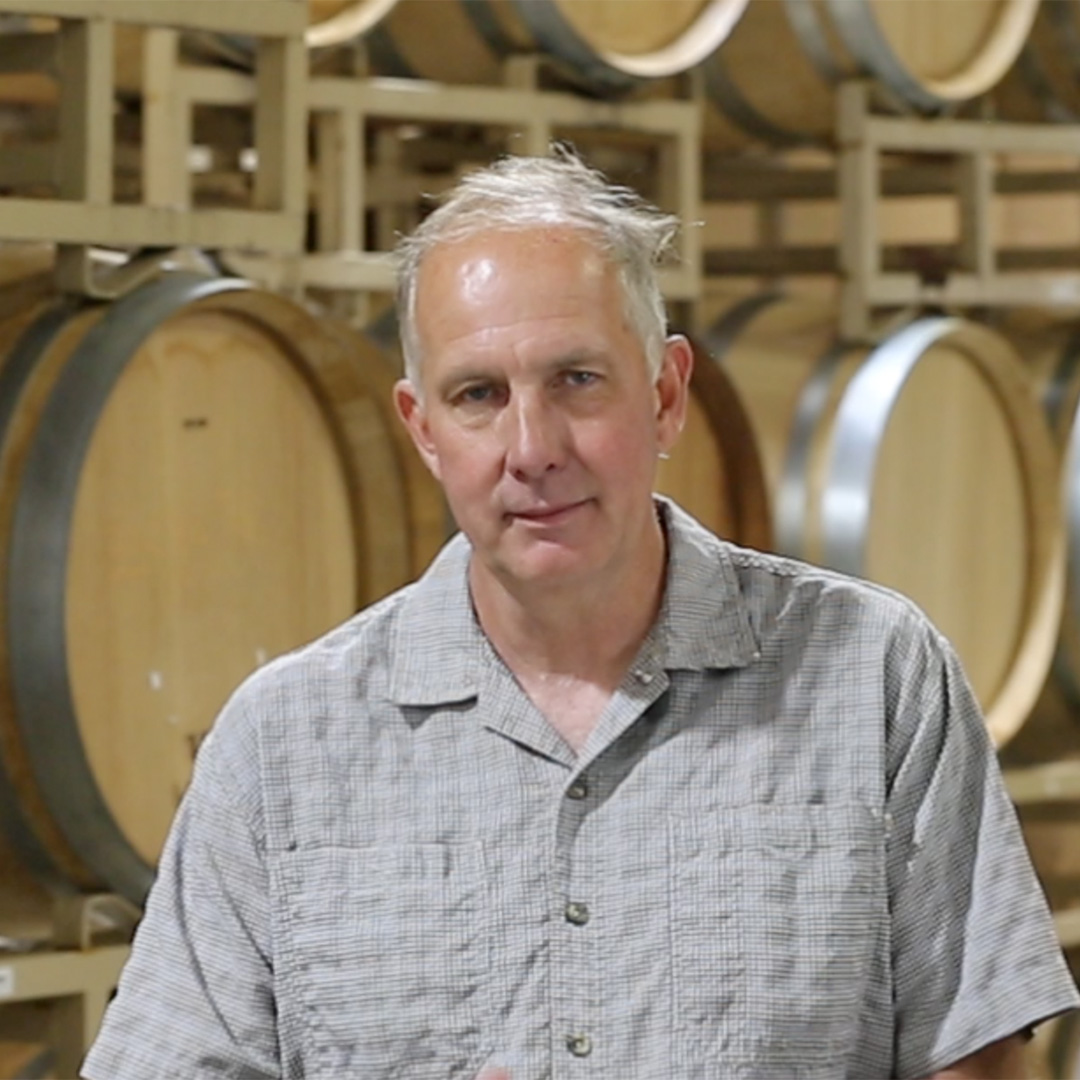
(555,191)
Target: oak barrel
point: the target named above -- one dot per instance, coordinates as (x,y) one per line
(715,470)
(1044,84)
(26,1061)
(923,464)
(334,22)
(423,505)
(774,78)
(605,45)
(1054,1053)
(1051,349)
(193,479)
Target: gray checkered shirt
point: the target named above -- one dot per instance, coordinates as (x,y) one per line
(785,851)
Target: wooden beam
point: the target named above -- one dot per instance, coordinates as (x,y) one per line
(139,226)
(215,86)
(942,135)
(166,123)
(281,126)
(268,18)
(1058,782)
(1056,290)
(732,180)
(976,183)
(418,99)
(1067,924)
(914,258)
(85,162)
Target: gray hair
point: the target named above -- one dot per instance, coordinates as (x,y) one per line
(562,191)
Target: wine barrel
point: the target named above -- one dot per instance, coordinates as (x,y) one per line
(1051,348)
(607,45)
(714,470)
(1044,84)
(335,22)
(923,464)
(1062,1047)
(423,505)
(1052,1053)
(603,45)
(26,1061)
(774,77)
(330,23)
(193,479)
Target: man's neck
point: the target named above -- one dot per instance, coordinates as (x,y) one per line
(589,633)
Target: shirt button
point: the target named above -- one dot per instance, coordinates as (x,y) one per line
(579,1045)
(578,790)
(644,677)
(577,913)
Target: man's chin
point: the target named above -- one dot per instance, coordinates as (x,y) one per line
(546,563)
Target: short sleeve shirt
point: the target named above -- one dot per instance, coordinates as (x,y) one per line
(784,851)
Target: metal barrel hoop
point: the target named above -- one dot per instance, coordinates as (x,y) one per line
(45,709)
(859,426)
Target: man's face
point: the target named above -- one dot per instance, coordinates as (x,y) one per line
(538,413)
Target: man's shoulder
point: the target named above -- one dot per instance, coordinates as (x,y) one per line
(774,586)
(346,651)
(360,654)
(281,700)
(766,573)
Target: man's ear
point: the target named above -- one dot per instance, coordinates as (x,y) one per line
(673,390)
(413,416)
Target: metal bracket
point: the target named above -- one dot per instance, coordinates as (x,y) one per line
(82,922)
(101,274)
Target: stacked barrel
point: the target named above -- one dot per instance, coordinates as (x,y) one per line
(203,473)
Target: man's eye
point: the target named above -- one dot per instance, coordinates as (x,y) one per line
(581,378)
(475,395)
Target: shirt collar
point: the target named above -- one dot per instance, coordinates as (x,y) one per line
(704,621)
(437,643)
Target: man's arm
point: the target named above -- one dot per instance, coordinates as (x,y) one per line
(196,997)
(1002,1060)
(976,958)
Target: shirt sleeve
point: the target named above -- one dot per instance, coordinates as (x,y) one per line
(974,950)
(196,996)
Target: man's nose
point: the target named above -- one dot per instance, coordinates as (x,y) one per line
(535,436)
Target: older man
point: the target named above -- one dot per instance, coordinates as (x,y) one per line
(600,796)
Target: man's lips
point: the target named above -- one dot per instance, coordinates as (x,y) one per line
(547,514)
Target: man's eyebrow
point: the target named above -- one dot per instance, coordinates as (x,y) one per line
(577,357)
(563,362)
(463,376)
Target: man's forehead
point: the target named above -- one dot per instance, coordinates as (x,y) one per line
(475,257)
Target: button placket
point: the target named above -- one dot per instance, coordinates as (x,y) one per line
(577,913)
(579,1045)
(579,789)
(573,948)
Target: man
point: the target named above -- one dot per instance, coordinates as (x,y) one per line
(600,796)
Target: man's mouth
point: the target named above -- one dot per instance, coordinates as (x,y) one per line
(548,515)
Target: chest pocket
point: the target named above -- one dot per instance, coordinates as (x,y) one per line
(390,951)
(777,914)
